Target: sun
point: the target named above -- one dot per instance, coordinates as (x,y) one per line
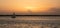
(30,8)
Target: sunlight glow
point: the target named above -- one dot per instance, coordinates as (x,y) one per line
(30,8)
(25,5)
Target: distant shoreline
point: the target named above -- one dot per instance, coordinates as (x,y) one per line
(30,15)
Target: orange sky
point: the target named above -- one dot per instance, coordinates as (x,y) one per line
(25,5)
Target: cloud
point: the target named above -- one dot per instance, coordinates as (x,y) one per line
(53,11)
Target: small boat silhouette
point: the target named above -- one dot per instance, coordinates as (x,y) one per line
(13,16)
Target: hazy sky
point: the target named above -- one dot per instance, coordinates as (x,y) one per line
(30,7)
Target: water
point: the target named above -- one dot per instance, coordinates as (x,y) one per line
(30,22)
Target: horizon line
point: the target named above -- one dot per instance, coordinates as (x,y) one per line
(30,15)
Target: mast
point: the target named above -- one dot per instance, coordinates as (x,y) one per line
(14,16)
(14,13)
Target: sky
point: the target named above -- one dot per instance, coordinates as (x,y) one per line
(30,7)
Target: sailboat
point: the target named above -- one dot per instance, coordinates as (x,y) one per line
(13,16)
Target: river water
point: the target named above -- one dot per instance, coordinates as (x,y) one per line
(30,22)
